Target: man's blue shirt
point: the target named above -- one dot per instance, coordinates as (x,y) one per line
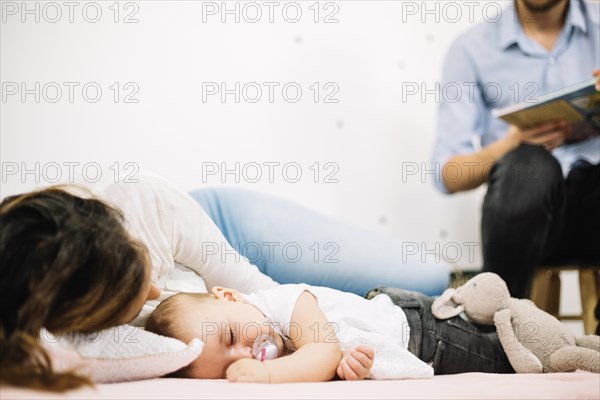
(495,65)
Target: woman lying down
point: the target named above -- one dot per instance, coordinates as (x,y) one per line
(302,333)
(80,262)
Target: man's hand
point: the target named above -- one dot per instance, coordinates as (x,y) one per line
(549,135)
(356,363)
(248,370)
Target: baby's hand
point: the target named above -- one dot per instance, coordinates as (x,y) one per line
(248,370)
(356,363)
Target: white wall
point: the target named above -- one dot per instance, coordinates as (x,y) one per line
(371,134)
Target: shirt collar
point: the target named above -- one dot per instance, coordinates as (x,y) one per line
(575,16)
(509,28)
(592,10)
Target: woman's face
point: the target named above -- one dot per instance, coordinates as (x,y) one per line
(148,292)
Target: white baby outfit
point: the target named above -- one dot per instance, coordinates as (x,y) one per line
(377,323)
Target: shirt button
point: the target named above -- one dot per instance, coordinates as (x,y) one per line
(552,60)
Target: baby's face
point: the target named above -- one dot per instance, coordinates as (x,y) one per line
(228,329)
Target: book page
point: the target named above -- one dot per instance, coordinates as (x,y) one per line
(545,113)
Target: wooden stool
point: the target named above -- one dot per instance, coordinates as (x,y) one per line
(545,293)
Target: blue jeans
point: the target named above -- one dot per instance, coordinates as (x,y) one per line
(292,244)
(451,346)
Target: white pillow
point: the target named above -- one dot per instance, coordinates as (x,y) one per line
(122,353)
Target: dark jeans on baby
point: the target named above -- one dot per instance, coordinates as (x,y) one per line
(531,216)
(451,346)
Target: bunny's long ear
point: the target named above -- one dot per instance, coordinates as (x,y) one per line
(445,306)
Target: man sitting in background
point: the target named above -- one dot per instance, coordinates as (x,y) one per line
(543,198)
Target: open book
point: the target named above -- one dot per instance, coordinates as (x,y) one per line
(579,104)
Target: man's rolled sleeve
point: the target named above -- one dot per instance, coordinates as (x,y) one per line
(462,112)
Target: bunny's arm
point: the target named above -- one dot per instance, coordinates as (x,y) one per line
(522,360)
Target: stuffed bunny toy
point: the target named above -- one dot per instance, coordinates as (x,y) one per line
(534,341)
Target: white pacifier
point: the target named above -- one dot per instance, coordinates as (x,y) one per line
(264,348)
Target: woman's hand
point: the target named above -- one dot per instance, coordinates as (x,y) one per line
(596,73)
(550,135)
(248,370)
(356,363)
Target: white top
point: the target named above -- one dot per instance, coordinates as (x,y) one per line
(356,320)
(188,252)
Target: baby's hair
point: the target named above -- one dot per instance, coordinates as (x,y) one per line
(165,320)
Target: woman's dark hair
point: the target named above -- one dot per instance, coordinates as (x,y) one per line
(67,264)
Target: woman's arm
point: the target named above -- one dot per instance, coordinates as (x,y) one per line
(198,244)
(315,360)
(176,229)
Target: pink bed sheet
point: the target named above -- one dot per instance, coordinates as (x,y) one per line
(578,385)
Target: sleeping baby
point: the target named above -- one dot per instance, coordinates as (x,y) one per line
(290,333)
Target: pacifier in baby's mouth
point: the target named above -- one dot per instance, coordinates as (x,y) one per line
(264,348)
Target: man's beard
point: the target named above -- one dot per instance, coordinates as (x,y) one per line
(540,5)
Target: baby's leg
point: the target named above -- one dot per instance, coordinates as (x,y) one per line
(451,346)
(465,347)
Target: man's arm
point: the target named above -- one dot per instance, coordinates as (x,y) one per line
(315,360)
(468,171)
(460,165)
